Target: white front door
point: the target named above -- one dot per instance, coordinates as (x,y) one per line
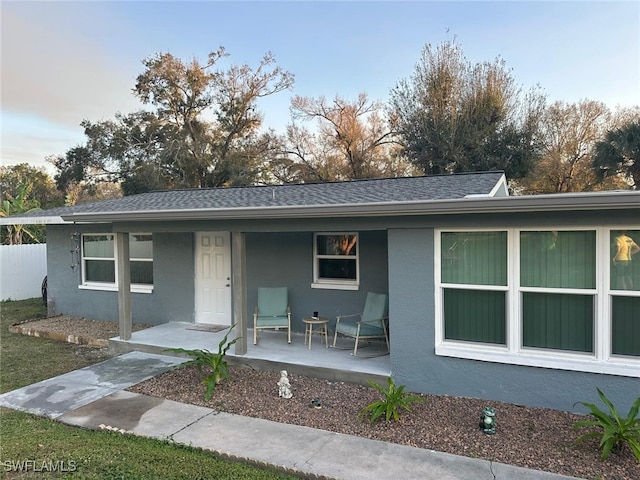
(213,278)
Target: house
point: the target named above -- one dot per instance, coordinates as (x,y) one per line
(507,298)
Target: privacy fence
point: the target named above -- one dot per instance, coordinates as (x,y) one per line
(22,269)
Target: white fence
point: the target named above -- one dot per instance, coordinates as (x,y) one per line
(22,269)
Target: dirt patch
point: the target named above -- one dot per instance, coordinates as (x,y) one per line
(77,330)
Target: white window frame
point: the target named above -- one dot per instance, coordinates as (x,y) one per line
(110,286)
(335,283)
(600,361)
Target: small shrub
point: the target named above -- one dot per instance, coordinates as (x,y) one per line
(615,430)
(214,362)
(394,399)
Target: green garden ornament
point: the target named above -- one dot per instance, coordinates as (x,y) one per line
(488,421)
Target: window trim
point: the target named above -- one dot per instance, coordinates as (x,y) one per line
(110,286)
(600,361)
(335,283)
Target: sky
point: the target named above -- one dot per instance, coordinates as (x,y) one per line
(63,62)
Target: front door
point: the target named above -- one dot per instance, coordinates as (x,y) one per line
(213,278)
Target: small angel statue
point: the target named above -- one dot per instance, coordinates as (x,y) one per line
(284,387)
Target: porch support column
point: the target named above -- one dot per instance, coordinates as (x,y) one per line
(123,273)
(239,282)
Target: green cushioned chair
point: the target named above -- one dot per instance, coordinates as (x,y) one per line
(272,311)
(372,322)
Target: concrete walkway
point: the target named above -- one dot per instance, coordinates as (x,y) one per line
(94,397)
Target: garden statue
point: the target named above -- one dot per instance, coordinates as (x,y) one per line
(488,421)
(284,387)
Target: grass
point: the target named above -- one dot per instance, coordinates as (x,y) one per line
(61,451)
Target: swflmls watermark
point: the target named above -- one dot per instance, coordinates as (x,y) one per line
(32,465)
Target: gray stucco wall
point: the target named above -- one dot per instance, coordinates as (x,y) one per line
(286,259)
(413,359)
(172,298)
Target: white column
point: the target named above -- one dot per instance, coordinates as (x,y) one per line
(123,274)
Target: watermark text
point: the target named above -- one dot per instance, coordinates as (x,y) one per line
(32,465)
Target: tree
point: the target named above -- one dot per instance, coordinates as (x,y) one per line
(619,153)
(455,116)
(201,128)
(569,134)
(43,188)
(24,188)
(184,92)
(15,205)
(352,141)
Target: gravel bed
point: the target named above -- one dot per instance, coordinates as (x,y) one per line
(536,438)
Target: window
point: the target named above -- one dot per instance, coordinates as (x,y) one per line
(474,264)
(624,280)
(335,262)
(558,280)
(554,298)
(99,262)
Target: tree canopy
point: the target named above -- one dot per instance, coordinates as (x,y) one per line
(352,140)
(24,188)
(200,129)
(569,133)
(456,116)
(619,153)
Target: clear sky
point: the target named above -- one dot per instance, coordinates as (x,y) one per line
(63,62)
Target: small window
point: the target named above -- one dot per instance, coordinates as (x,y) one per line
(99,261)
(336,260)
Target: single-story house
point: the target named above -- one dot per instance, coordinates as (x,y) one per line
(533,300)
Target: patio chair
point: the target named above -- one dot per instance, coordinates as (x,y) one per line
(372,323)
(272,311)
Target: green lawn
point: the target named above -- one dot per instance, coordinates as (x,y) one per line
(55,450)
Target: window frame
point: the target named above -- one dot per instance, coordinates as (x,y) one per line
(111,286)
(335,283)
(601,360)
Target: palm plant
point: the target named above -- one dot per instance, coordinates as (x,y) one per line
(21,203)
(614,430)
(395,398)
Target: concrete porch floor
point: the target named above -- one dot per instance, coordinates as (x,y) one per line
(272,352)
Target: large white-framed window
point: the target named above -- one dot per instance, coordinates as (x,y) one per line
(336,260)
(99,270)
(549,297)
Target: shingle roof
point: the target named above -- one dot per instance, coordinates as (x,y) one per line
(405,189)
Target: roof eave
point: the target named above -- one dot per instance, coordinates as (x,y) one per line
(39,220)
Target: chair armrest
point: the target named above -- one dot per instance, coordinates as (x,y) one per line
(339,317)
(375,320)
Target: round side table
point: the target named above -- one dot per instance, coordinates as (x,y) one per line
(322,322)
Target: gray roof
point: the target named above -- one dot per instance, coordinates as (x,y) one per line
(355,192)
(484,192)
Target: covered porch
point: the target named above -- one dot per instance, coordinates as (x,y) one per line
(272,352)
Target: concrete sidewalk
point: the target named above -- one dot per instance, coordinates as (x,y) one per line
(94,397)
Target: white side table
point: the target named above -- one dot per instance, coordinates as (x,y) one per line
(322,323)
